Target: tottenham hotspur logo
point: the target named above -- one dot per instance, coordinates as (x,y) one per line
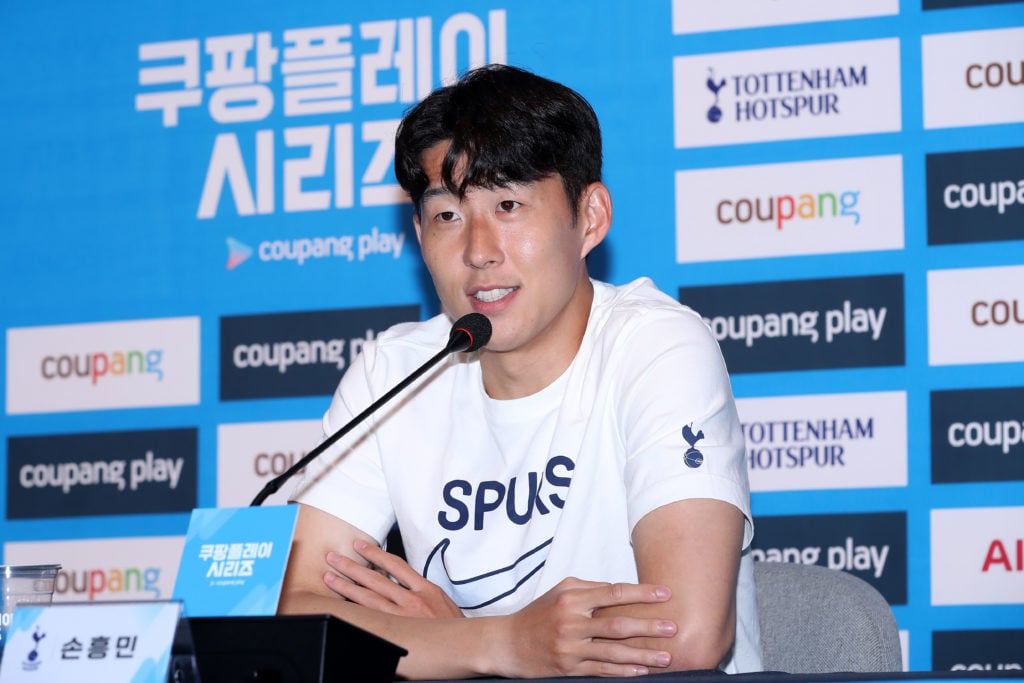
(714,113)
(692,457)
(32,661)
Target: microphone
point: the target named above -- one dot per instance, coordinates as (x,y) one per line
(469,333)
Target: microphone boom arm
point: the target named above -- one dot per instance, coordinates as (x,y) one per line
(275,484)
(469,333)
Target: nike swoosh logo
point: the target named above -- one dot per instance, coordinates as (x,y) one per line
(480,591)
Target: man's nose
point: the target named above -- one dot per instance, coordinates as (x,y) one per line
(483,245)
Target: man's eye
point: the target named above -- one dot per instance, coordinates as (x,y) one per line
(445,216)
(508,205)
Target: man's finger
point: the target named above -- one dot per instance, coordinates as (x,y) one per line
(620,627)
(621,654)
(353,592)
(366,577)
(389,562)
(616,594)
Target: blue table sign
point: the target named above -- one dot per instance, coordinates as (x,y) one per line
(234,560)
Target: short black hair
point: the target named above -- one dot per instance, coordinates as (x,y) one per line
(506,125)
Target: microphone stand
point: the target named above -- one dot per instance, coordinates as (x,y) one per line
(461,339)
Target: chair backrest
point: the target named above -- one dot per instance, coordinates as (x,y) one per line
(819,620)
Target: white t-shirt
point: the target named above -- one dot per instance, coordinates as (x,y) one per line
(499,500)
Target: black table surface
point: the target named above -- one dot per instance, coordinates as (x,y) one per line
(782,677)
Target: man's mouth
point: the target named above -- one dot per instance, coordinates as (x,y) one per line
(489,295)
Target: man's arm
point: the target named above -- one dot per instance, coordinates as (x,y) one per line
(557,634)
(693,547)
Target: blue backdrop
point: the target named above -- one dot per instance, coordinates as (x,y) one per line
(201,225)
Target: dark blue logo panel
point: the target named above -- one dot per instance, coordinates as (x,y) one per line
(977,435)
(975,196)
(872,546)
(981,650)
(298,354)
(106,473)
(946,4)
(805,324)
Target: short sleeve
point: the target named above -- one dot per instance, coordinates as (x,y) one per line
(679,424)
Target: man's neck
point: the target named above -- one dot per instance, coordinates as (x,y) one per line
(527,370)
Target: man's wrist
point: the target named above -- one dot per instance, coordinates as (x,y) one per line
(491,650)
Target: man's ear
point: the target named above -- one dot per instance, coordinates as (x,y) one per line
(595,216)
(416,224)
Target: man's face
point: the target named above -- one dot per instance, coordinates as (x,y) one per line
(510,253)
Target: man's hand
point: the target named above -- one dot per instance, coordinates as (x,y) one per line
(411,596)
(555,635)
(558,634)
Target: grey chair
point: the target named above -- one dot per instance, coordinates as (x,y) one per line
(819,620)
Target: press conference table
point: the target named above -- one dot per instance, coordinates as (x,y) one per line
(323,649)
(780,677)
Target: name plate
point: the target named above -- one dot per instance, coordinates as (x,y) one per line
(126,641)
(234,559)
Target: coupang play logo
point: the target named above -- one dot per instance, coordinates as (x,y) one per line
(358,248)
(805,324)
(238,253)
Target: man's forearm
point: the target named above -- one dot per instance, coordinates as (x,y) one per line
(555,635)
(438,648)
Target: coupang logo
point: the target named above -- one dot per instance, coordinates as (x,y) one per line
(994,75)
(109,583)
(103,365)
(786,207)
(786,94)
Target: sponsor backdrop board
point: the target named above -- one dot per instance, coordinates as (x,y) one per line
(202,228)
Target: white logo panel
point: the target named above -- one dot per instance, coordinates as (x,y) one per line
(973,78)
(787,93)
(695,16)
(812,207)
(92,366)
(976,315)
(142,568)
(827,441)
(251,454)
(977,556)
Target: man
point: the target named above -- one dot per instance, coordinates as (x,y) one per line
(577,486)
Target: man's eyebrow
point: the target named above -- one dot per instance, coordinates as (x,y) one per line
(432,192)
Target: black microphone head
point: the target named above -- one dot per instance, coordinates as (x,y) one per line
(469,333)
